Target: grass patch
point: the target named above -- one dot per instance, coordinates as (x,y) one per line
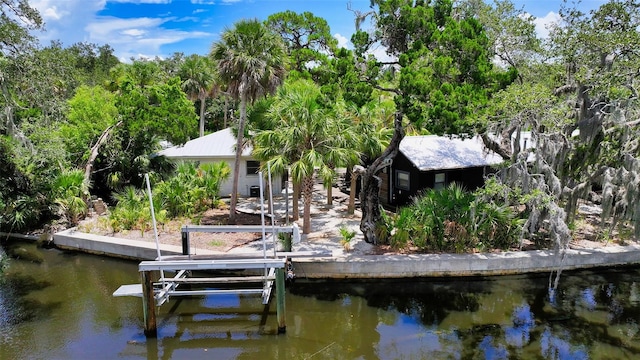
(217,243)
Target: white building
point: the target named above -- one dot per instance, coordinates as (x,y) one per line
(220,146)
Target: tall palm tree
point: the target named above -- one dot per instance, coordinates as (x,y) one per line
(307,137)
(372,122)
(251,62)
(198,82)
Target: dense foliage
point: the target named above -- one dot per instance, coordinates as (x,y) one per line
(190,191)
(307,137)
(77,123)
(445,78)
(452,220)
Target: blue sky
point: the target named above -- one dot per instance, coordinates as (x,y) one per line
(149,28)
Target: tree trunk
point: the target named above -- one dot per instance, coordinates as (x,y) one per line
(226,110)
(267,188)
(356,171)
(330,195)
(10,126)
(296,201)
(236,165)
(369,199)
(308,197)
(202,107)
(95,151)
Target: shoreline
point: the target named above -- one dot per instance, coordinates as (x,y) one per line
(344,265)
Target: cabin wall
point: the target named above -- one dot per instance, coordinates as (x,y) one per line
(395,194)
(245,181)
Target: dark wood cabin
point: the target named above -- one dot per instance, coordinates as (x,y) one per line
(434,162)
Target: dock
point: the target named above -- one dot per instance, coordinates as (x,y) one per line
(156,288)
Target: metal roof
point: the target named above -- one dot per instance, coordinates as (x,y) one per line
(432,152)
(217,145)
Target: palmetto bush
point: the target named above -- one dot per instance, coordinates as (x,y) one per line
(210,178)
(130,211)
(193,189)
(495,226)
(452,219)
(69,192)
(190,191)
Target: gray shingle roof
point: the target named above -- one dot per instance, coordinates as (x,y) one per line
(217,145)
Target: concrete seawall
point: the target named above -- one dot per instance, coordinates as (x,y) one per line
(114,247)
(440,265)
(351,266)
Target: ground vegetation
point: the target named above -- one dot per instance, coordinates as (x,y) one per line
(456,68)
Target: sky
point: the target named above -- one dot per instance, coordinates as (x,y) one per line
(150,28)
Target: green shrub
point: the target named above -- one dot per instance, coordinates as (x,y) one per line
(69,192)
(454,220)
(189,192)
(131,210)
(347,236)
(193,189)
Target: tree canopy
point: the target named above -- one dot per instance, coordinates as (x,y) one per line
(452,70)
(446,74)
(307,37)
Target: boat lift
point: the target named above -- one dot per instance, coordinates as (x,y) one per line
(154,292)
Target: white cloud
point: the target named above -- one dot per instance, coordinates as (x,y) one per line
(134,32)
(137,37)
(380,53)
(102,28)
(64,20)
(542,24)
(342,40)
(52,13)
(73,21)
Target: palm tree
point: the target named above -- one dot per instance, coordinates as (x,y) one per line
(198,82)
(251,62)
(307,137)
(372,124)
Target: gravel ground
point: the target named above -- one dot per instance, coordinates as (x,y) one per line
(325,235)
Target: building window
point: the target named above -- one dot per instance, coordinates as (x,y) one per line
(402,180)
(253,167)
(439,181)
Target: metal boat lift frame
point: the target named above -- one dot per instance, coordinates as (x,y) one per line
(155,293)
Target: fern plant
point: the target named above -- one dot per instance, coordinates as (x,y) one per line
(347,236)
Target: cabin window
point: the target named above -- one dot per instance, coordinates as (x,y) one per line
(253,167)
(402,180)
(439,181)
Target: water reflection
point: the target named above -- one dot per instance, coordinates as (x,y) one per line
(519,334)
(64,305)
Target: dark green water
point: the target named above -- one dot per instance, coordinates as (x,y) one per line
(62,308)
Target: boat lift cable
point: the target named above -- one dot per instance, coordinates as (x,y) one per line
(153,220)
(273,224)
(264,231)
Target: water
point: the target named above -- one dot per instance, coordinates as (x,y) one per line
(62,308)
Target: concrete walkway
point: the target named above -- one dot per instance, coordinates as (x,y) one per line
(359,262)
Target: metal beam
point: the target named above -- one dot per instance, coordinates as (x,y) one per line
(268,285)
(219,280)
(215,292)
(211,264)
(234,228)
